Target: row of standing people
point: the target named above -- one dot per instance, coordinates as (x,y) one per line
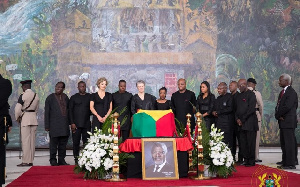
(237,115)
(60,112)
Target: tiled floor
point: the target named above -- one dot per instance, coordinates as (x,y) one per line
(268,155)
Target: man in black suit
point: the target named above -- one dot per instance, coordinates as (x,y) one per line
(246,118)
(285,113)
(223,112)
(79,116)
(6,90)
(122,104)
(57,124)
(183,102)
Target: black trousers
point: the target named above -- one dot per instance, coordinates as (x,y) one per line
(287,143)
(236,141)
(227,137)
(248,140)
(80,133)
(58,144)
(125,134)
(240,154)
(2,154)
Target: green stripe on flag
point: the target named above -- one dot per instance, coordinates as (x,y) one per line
(143,125)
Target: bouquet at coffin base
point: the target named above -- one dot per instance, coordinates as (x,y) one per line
(95,160)
(221,160)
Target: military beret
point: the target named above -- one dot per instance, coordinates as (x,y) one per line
(252,80)
(26,82)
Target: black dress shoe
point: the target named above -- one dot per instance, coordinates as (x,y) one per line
(244,163)
(239,161)
(249,165)
(258,160)
(53,163)
(24,165)
(63,162)
(30,164)
(279,163)
(286,167)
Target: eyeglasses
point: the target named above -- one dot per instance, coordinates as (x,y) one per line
(158,152)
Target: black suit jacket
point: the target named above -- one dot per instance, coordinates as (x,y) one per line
(245,110)
(287,109)
(55,121)
(6,90)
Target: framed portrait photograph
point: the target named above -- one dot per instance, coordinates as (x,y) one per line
(159,159)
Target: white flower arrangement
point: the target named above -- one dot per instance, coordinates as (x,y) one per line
(220,155)
(219,151)
(96,159)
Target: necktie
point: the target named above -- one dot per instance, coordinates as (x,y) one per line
(281,93)
(280,96)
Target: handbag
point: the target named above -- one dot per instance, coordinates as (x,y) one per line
(19,120)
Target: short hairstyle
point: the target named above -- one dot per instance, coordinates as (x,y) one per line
(161,145)
(223,84)
(102,79)
(163,88)
(60,82)
(287,77)
(181,79)
(81,82)
(140,82)
(233,82)
(122,81)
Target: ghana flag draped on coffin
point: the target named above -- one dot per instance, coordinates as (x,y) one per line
(153,123)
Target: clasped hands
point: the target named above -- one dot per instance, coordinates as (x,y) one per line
(101,119)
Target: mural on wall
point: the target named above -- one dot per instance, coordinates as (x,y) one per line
(157,41)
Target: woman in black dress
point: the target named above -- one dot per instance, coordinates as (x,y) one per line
(100,104)
(162,103)
(142,100)
(205,104)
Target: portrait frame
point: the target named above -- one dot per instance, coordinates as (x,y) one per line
(162,151)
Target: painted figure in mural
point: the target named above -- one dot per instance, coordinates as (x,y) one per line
(57,123)
(162,102)
(145,44)
(79,116)
(246,118)
(236,128)
(26,109)
(171,32)
(164,40)
(172,2)
(195,26)
(122,104)
(286,114)
(205,104)
(183,102)
(259,113)
(142,100)
(153,43)
(142,25)
(5,123)
(137,44)
(150,22)
(100,104)
(223,112)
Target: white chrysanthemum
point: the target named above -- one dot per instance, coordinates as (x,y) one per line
(108,163)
